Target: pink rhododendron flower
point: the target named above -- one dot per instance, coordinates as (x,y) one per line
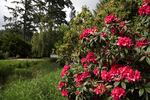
(105,76)
(137,75)
(100,89)
(144,9)
(127,73)
(146,1)
(141,43)
(83,60)
(87,32)
(80,77)
(96,71)
(147,10)
(133,76)
(85,65)
(91,57)
(61,84)
(65,70)
(117,93)
(124,42)
(64,93)
(110,19)
(120,72)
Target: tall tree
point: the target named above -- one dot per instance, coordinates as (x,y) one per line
(51,12)
(50,15)
(21,20)
(29,15)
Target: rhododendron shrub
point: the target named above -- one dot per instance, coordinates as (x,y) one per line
(114,64)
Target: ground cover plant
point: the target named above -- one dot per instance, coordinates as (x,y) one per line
(113,63)
(30,79)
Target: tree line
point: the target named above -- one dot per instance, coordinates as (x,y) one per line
(37,23)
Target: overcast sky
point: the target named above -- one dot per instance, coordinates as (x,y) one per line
(77,3)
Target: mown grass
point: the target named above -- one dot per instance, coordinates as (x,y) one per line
(41,86)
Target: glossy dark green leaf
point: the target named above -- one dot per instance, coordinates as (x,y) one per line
(116,84)
(142,58)
(141,92)
(148,60)
(123,85)
(147,90)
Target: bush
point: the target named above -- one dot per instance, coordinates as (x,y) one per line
(13,45)
(114,63)
(68,48)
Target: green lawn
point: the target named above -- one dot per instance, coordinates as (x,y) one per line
(32,79)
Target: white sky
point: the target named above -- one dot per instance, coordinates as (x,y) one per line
(77,4)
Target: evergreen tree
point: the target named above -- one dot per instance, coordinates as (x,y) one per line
(21,20)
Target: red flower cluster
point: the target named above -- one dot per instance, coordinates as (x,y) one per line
(146,1)
(141,43)
(64,93)
(110,19)
(124,42)
(120,72)
(100,89)
(61,84)
(145,8)
(88,31)
(65,70)
(91,57)
(80,77)
(96,71)
(88,59)
(117,93)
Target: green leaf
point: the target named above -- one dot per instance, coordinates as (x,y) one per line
(132,90)
(109,98)
(148,60)
(141,92)
(142,58)
(116,84)
(123,85)
(137,50)
(84,89)
(147,90)
(148,49)
(147,85)
(126,51)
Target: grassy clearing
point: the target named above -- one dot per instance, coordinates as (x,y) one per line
(41,85)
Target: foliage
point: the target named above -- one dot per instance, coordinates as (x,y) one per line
(40,86)
(11,70)
(13,45)
(114,62)
(21,19)
(28,16)
(43,43)
(69,46)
